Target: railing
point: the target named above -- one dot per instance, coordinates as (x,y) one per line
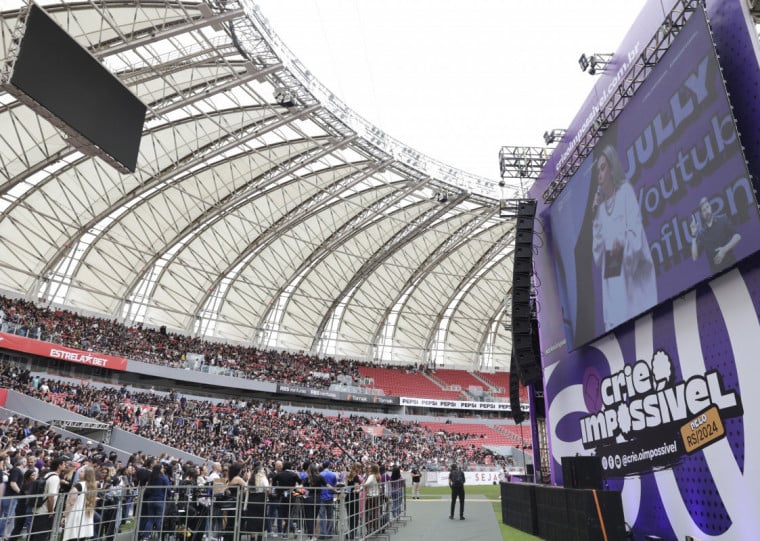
(35,332)
(191,512)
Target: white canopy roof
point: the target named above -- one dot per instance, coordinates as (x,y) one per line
(262,211)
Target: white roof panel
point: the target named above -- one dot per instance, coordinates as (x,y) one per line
(261,205)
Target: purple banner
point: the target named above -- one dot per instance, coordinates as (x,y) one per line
(667,397)
(662,203)
(684,467)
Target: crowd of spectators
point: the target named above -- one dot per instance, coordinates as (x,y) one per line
(171,499)
(148,345)
(220,432)
(239,430)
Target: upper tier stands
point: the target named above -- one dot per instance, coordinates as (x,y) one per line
(99,335)
(402,383)
(448,377)
(501,380)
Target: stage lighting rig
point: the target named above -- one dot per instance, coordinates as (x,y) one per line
(553,136)
(596,63)
(522,162)
(583,62)
(285,97)
(652,52)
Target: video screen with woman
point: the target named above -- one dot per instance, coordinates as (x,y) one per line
(663,201)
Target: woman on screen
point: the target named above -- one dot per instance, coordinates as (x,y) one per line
(620,246)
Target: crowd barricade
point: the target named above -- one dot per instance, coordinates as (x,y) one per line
(112,512)
(193,513)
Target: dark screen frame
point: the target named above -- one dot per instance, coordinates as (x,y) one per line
(60,75)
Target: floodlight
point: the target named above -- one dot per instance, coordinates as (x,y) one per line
(583,62)
(551,137)
(598,63)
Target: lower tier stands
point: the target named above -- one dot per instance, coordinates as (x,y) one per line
(520,435)
(472,434)
(257,429)
(138,343)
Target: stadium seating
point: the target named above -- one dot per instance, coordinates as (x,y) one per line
(395,382)
(448,377)
(518,435)
(501,380)
(473,434)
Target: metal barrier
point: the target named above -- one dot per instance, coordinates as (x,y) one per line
(191,513)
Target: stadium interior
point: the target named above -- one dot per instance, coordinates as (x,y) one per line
(213,268)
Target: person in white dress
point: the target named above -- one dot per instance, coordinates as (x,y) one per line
(371,487)
(79,515)
(620,246)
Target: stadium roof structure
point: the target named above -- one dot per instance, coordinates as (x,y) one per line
(263,210)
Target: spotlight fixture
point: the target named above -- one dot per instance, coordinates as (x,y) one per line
(551,137)
(284,97)
(598,63)
(583,62)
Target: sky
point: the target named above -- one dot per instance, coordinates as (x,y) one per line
(455,80)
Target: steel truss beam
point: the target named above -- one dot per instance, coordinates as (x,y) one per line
(460,237)
(497,247)
(393,245)
(233,201)
(214,148)
(361,220)
(654,50)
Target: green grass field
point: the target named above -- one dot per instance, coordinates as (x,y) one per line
(492,492)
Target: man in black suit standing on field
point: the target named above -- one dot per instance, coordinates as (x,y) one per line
(456,482)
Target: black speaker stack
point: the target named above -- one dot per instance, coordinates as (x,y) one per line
(518,506)
(514,392)
(563,514)
(582,472)
(524,324)
(579,514)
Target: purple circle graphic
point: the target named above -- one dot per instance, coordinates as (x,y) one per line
(591,395)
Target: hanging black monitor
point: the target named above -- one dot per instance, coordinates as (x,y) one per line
(64,83)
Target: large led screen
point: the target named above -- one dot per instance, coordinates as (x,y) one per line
(65,79)
(664,200)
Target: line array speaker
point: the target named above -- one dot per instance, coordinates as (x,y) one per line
(525,349)
(514,392)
